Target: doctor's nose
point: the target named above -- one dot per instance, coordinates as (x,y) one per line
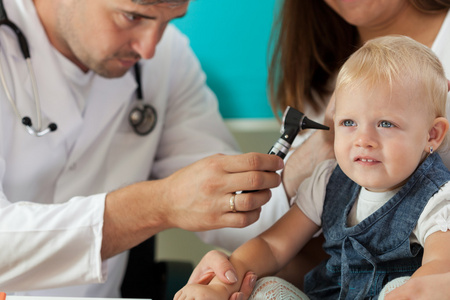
(145,43)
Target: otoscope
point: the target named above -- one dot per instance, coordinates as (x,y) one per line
(293,122)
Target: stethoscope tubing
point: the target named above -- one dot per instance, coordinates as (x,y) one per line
(26,55)
(146,112)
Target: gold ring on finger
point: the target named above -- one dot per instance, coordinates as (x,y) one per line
(232,203)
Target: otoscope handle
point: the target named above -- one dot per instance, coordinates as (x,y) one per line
(284,143)
(293,122)
(280,148)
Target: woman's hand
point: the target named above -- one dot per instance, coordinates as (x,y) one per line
(435,286)
(216,264)
(201,292)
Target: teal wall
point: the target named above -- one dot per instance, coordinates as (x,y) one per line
(230,37)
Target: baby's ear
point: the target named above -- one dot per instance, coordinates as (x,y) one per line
(437,133)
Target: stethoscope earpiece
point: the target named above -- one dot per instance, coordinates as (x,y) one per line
(29,126)
(26,121)
(26,55)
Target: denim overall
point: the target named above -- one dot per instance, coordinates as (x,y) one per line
(363,258)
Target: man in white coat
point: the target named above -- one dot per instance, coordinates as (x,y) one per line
(74,200)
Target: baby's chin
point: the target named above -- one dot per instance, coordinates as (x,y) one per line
(383,189)
(379,190)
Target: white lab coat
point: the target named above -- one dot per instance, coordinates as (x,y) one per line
(53,187)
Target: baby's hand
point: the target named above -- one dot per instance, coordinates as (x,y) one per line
(202,292)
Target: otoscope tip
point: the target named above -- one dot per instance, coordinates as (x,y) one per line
(307,123)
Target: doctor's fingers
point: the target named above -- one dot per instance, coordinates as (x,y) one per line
(251,162)
(243,209)
(247,202)
(239,219)
(250,181)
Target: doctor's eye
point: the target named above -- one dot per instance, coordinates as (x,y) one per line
(348,123)
(386,124)
(132,17)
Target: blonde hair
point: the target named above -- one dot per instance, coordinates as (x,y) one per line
(400,60)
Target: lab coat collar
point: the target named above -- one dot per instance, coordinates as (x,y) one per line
(59,105)
(105,108)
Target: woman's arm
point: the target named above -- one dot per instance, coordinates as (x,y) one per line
(432,279)
(427,287)
(301,164)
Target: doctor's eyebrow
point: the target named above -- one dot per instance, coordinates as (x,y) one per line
(136,14)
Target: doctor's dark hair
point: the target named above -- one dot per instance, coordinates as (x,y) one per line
(310,42)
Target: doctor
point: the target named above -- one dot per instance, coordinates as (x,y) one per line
(72,200)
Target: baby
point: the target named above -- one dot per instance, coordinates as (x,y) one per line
(381,203)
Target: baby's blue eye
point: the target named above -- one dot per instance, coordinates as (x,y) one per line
(386,124)
(348,123)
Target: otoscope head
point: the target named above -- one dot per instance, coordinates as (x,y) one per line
(294,118)
(293,122)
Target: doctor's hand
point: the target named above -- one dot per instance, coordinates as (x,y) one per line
(202,195)
(216,264)
(198,197)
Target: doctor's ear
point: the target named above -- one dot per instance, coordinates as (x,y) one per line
(437,133)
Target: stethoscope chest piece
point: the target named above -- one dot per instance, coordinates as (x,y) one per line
(143,119)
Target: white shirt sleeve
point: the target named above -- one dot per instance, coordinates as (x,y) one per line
(311,193)
(435,216)
(57,251)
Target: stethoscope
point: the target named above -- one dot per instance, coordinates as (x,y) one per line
(142,118)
